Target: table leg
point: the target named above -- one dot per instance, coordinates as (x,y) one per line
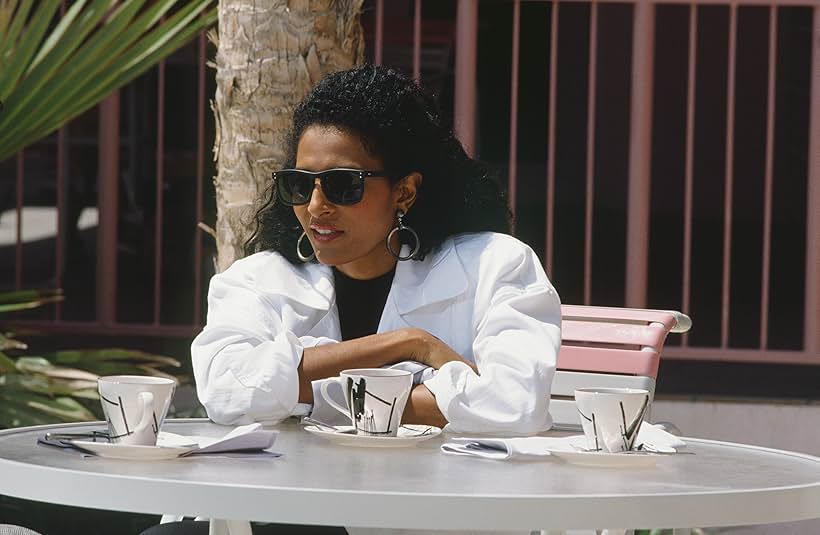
(217,527)
(229,527)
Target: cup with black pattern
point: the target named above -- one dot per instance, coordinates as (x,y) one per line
(375,398)
(135,407)
(611,417)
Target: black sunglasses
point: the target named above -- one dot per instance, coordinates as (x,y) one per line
(340,186)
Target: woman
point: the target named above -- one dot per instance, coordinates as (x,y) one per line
(381,243)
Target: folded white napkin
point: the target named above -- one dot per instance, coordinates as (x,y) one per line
(249,437)
(651,438)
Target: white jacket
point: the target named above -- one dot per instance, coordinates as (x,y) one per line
(485,295)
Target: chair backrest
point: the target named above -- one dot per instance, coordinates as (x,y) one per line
(608,347)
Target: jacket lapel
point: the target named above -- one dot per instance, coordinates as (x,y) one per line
(439,277)
(310,285)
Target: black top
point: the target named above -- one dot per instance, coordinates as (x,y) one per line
(360,303)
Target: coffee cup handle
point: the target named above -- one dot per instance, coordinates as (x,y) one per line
(147,419)
(323,386)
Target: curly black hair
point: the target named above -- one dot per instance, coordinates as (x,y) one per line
(399,123)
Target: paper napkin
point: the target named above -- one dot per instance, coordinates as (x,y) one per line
(249,437)
(523,448)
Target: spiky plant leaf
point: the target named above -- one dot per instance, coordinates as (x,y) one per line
(27,299)
(16,413)
(85,356)
(95,48)
(6,364)
(30,296)
(7,343)
(19,406)
(66,408)
(60,386)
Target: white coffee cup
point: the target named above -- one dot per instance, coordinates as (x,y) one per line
(375,398)
(135,406)
(611,417)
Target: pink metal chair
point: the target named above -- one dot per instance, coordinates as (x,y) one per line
(608,347)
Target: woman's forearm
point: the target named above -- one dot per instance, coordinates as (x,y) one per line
(421,408)
(372,351)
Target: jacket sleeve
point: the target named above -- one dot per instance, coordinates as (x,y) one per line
(245,361)
(516,341)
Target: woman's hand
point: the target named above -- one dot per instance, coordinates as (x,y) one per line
(421,408)
(372,351)
(431,351)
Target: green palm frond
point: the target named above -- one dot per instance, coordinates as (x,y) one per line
(52,75)
(19,407)
(7,343)
(112,361)
(39,389)
(7,365)
(26,299)
(60,386)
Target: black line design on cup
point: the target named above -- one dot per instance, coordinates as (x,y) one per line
(128,431)
(594,427)
(630,432)
(357,391)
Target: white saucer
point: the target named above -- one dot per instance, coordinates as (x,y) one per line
(132,453)
(608,460)
(407,436)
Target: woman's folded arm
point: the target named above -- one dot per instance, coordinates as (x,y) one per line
(516,354)
(515,345)
(245,360)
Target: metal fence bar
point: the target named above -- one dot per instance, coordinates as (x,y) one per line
(160,183)
(18,202)
(200,176)
(728,181)
(465,113)
(768,180)
(590,155)
(811,317)
(741,355)
(512,178)
(465,73)
(688,197)
(417,40)
(379,37)
(763,3)
(59,245)
(107,206)
(640,155)
(59,242)
(553,85)
(115,329)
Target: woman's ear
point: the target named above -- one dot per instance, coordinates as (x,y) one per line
(406,191)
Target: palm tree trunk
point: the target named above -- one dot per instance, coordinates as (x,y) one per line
(270,53)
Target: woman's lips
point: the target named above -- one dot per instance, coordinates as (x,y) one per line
(325,234)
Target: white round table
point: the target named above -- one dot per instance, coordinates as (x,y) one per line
(316,482)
